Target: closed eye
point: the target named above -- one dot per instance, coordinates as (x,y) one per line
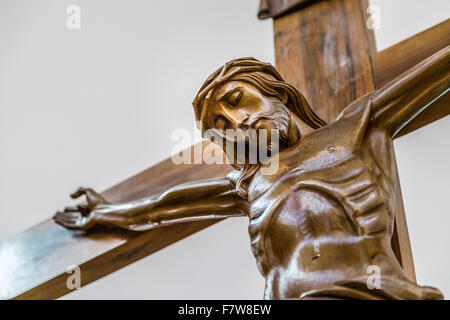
(234,98)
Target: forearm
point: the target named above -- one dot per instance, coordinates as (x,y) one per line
(402,99)
(206,199)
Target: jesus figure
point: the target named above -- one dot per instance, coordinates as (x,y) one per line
(326,216)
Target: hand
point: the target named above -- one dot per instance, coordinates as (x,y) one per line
(81,217)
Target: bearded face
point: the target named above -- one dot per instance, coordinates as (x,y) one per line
(241,113)
(277,120)
(246,97)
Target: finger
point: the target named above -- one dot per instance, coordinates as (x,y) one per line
(68,220)
(57,216)
(71,209)
(78,193)
(90,192)
(94,200)
(83,209)
(62,219)
(93,196)
(73,216)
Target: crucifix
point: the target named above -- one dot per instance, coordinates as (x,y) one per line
(333,208)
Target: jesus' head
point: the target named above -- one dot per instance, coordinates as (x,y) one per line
(248,94)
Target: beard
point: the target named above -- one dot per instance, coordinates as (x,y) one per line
(278,121)
(250,145)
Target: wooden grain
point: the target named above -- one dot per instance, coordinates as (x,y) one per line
(326,43)
(388,64)
(400,241)
(391,62)
(276,8)
(325,50)
(437,110)
(33,263)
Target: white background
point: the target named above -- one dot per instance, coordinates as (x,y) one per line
(97,105)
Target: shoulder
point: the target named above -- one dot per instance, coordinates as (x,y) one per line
(356,117)
(358,107)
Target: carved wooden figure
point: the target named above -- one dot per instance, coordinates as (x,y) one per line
(325,218)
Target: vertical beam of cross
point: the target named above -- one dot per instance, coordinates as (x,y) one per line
(325,50)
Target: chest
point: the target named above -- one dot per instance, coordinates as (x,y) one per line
(354,181)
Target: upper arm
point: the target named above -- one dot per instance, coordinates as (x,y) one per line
(399,101)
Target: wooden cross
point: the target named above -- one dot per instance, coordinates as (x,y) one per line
(324,49)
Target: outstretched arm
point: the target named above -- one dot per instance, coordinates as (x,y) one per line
(403,98)
(199,200)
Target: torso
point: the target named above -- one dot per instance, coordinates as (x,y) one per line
(327,213)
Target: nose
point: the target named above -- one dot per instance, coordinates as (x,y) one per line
(236,117)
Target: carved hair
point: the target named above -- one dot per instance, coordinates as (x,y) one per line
(265,78)
(268,81)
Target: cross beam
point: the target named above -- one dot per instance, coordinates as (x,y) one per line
(390,62)
(33,263)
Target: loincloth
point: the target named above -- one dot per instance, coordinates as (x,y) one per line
(389,289)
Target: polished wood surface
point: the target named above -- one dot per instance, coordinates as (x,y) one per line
(438,110)
(325,50)
(33,263)
(392,61)
(322,210)
(30,275)
(276,8)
